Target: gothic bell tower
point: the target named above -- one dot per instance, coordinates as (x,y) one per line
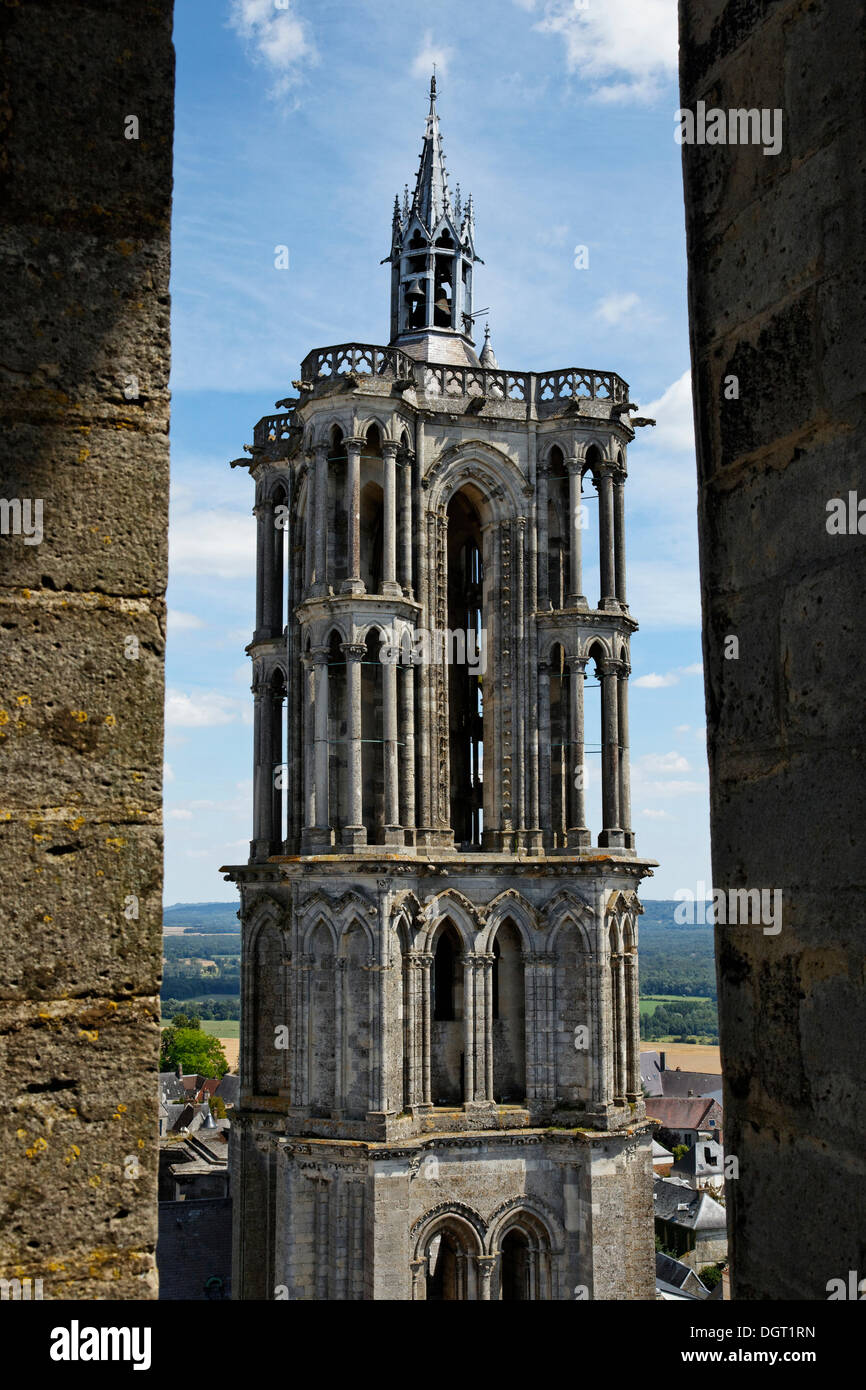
(440,1081)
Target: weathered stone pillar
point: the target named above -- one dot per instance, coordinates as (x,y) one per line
(544,749)
(320,523)
(541,525)
(406,576)
(406,675)
(393,833)
(309,527)
(354,832)
(309,742)
(425,961)
(576,598)
(633,1088)
(621,1045)
(606,539)
(261,800)
(619,535)
(259,512)
(611,834)
(485,1265)
(389,520)
(578,832)
(269,562)
(320,705)
(487,979)
(353,583)
(469,972)
(624,769)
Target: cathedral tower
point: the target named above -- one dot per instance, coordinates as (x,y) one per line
(440,1081)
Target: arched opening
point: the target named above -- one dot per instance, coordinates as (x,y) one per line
(446,1041)
(372,746)
(590,522)
(575,1050)
(337,531)
(449,1271)
(279,769)
(617,1015)
(268,1062)
(415,289)
(593,736)
(443,295)
(338,796)
(514,1274)
(558,551)
(465,693)
(371,522)
(356,1042)
(561,753)
(280,579)
(509,1015)
(321,1024)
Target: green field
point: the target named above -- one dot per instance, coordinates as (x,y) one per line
(221,1027)
(652,1001)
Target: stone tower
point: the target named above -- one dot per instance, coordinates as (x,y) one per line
(440,1082)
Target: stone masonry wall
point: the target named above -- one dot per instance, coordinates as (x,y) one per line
(86,192)
(776,297)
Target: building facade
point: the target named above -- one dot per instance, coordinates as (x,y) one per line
(440,1079)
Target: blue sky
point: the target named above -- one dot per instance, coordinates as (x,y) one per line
(296,123)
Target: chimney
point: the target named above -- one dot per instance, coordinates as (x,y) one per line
(661,1061)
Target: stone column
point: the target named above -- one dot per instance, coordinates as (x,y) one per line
(606,541)
(485,1265)
(309,528)
(269,565)
(624,769)
(406,674)
(354,832)
(309,742)
(353,583)
(576,597)
(261,797)
(320,703)
(389,521)
(393,832)
(611,835)
(578,832)
(425,961)
(622,1028)
(544,748)
(619,535)
(259,513)
(406,577)
(543,577)
(320,523)
(633,1089)
(469,964)
(489,962)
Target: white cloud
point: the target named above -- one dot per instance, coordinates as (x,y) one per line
(657,815)
(167,772)
(655,682)
(663,762)
(277,37)
(203,710)
(431,53)
(218,542)
(669,788)
(616,307)
(624,50)
(183,622)
(683,729)
(180,815)
(675,421)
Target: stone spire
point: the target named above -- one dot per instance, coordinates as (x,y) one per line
(488,356)
(431,198)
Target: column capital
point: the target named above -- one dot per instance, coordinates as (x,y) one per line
(574,464)
(320,450)
(609,666)
(319,656)
(353,651)
(354,443)
(390,448)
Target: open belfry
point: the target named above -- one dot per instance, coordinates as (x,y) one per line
(440,1079)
